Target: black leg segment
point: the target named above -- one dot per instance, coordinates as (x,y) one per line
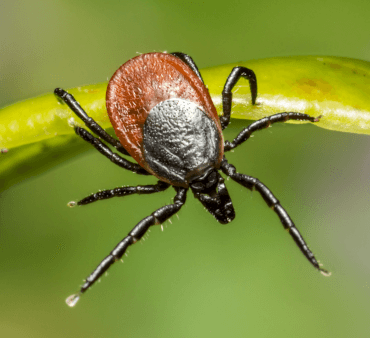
(189,61)
(227,96)
(135,234)
(89,122)
(264,123)
(253,183)
(107,152)
(124,191)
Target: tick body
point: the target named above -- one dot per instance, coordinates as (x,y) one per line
(165,119)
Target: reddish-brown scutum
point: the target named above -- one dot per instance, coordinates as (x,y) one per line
(143,82)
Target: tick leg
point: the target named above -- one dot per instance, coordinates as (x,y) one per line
(157,217)
(264,123)
(227,96)
(107,152)
(123,191)
(253,183)
(190,62)
(89,122)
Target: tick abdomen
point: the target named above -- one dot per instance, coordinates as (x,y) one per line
(145,82)
(180,141)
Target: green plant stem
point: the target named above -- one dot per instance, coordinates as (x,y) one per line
(37,133)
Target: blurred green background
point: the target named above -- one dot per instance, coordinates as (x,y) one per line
(197,278)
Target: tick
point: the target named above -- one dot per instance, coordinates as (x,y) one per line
(165,120)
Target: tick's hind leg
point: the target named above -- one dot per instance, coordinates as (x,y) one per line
(264,123)
(89,122)
(253,183)
(157,217)
(107,152)
(189,61)
(227,95)
(122,191)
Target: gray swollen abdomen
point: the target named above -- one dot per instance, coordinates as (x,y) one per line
(180,141)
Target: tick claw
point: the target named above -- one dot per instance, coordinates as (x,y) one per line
(71,204)
(325,273)
(73,299)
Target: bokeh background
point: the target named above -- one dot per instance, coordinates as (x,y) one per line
(197,278)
